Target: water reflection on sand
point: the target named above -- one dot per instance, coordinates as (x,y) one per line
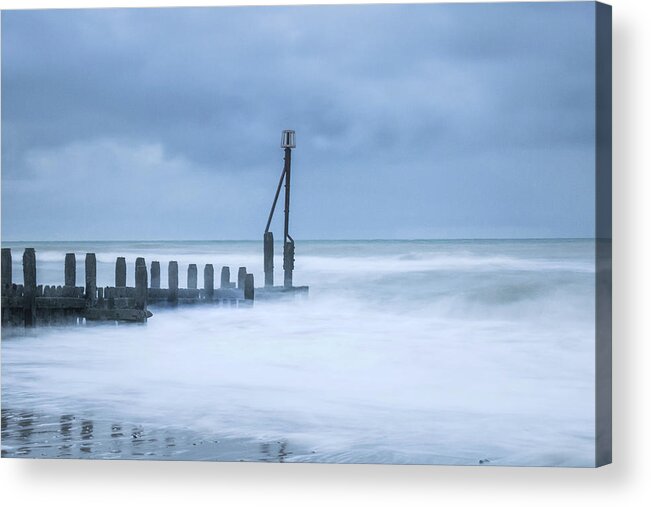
(29,435)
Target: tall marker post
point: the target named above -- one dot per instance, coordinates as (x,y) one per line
(288,141)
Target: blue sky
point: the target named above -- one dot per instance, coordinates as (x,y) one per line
(412,121)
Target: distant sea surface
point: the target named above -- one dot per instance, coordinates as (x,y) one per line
(441,352)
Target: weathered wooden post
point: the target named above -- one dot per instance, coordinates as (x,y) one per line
(29,281)
(6,268)
(109,295)
(155,275)
(91,277)
(209,281)
(269,259)
(70,270)
(226,278)
(141,284)
(173,281)
(192,276)
(288,263)
(121,272)
(5,283)
(241,277)
(249,290)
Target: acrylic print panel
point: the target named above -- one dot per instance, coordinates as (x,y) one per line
(337,234)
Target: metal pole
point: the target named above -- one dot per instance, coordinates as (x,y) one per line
(269,239)
(288,242)
(273,206)
(288,169)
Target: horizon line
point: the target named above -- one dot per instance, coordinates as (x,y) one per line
(528,238)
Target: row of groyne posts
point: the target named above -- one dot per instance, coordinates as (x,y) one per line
(30,304)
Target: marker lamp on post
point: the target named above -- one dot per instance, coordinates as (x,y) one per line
(288,139)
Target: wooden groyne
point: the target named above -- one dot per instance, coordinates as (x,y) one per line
(29,304)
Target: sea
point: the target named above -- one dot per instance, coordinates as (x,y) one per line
(457,352)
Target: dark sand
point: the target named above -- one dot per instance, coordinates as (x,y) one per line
(30,435)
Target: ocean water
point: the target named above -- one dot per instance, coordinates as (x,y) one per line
(440,352)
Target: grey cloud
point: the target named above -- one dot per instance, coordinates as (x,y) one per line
(444,97)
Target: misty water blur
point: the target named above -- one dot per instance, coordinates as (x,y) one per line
(404,352)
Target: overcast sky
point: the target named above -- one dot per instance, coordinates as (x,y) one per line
(412,121)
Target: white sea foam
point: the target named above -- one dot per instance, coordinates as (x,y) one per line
(439,354)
